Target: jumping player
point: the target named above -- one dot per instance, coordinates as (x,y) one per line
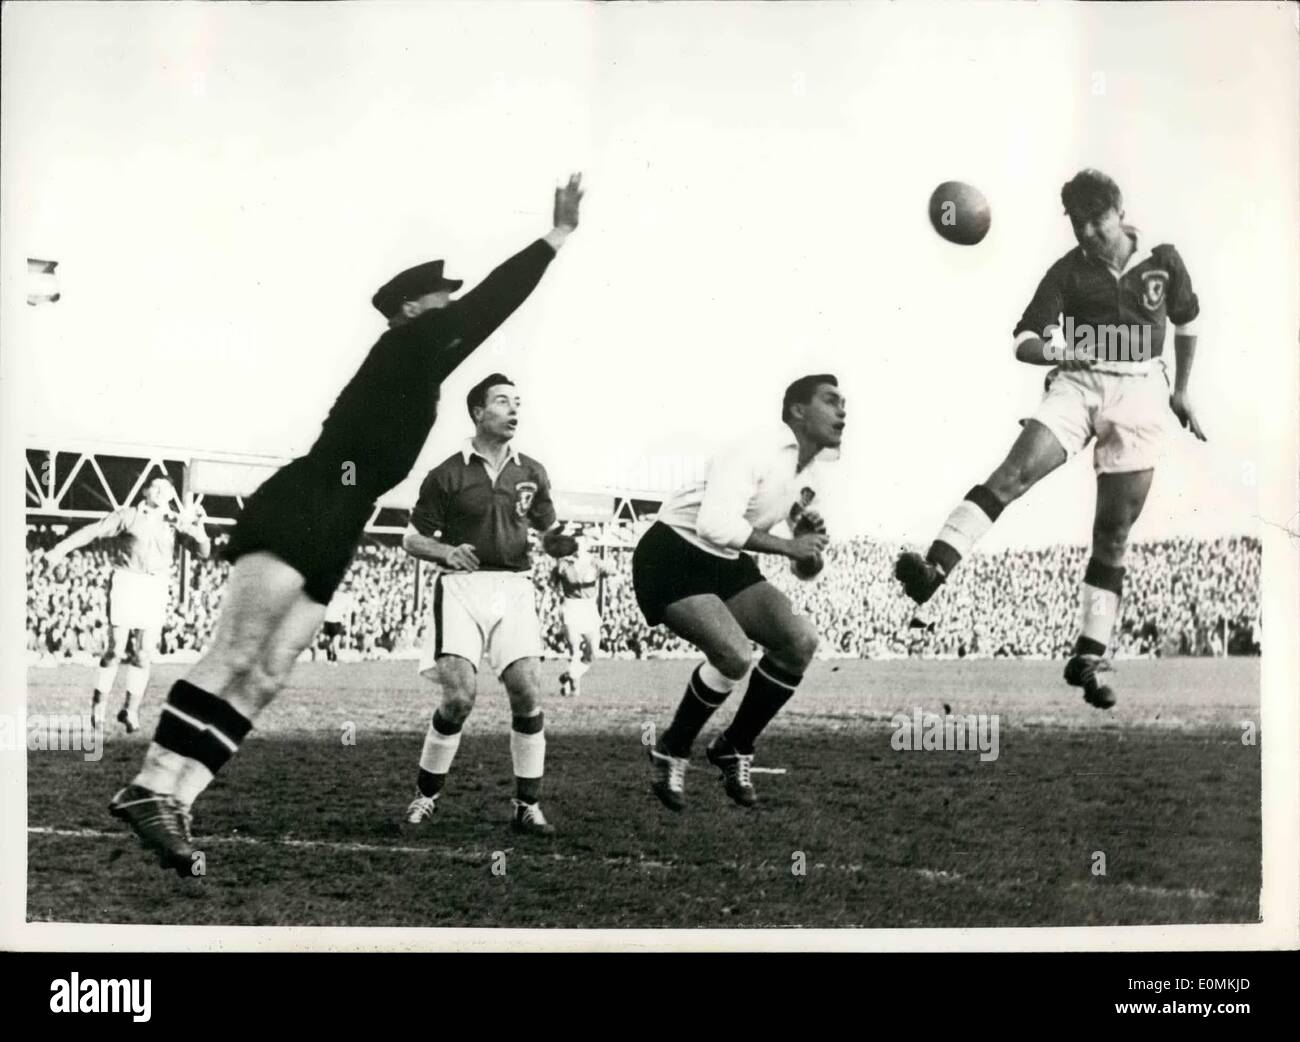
(577,577)
(144,543)
(299,530)
(472,520)
(691,574)
(1098,318)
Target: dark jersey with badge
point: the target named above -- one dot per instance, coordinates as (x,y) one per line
(1083,289)
(381,419)
(460,503)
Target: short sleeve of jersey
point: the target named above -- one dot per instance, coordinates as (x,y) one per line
(541,514)
(430,514)
(1183,306)
(1044,310)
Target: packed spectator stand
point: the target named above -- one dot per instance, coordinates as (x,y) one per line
(1182,597)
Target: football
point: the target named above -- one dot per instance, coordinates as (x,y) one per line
(960,213)
(807,572)
(810,521)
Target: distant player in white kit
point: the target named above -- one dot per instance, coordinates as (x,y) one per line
(577,577)
(137,594)
(340,618)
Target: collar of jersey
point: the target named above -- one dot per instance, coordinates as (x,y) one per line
(468,452)
(1135,258)
(787,440)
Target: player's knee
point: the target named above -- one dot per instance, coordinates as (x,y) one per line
(731,662)
(525,701)
(1109,543)
(799,645)
(456,705)
(1009,482)
(263,685)
(241,661)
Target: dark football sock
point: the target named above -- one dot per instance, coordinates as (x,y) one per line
(693,712)
(770,687)
(200,726)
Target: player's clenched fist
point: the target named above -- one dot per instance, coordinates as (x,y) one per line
(463,558)
(807,548)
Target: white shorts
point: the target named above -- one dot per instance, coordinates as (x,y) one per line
(582,620)
(1129,416)
(477,612)
(137,601)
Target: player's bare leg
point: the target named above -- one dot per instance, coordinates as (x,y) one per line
(265,622)
(789,642)
(704,620)
(569,683)
(1035,453)
(1120,499)
(458,680)
(523,683)
(107,673)
(138,660)
(583,647)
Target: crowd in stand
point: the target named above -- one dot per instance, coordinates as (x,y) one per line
(1181,597)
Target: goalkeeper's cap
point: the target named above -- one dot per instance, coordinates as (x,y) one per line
(412,283)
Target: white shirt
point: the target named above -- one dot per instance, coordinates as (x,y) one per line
(747,487)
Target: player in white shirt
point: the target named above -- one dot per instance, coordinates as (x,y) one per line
(577,577)
(691,574)
(340,617)
(144,541)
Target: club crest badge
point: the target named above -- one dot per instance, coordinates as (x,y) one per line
(524,492)
(1153,289)
(806,496)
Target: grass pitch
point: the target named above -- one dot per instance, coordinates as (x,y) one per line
(302,827)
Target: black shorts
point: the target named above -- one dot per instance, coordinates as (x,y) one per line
(666,568)
(307,517)
(332,629)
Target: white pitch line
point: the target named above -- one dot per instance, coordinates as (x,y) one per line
(462,853)
(456,852)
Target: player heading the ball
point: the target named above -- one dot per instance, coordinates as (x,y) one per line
(1099,388)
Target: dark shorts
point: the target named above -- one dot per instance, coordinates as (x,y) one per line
(307,517)
(332,629)
(666,568)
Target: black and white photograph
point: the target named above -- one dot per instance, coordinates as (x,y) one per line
(707,476)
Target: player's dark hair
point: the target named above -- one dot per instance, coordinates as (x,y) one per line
(477,397)
(802,390)
(1090,193)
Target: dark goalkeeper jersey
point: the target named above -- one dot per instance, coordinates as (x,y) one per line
(381,419)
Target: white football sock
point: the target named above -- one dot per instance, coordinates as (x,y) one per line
(137,679)
(528,753)
(161,769)
(439,750)
(1098,613)
(193,779)
(966,526)
(104,678)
